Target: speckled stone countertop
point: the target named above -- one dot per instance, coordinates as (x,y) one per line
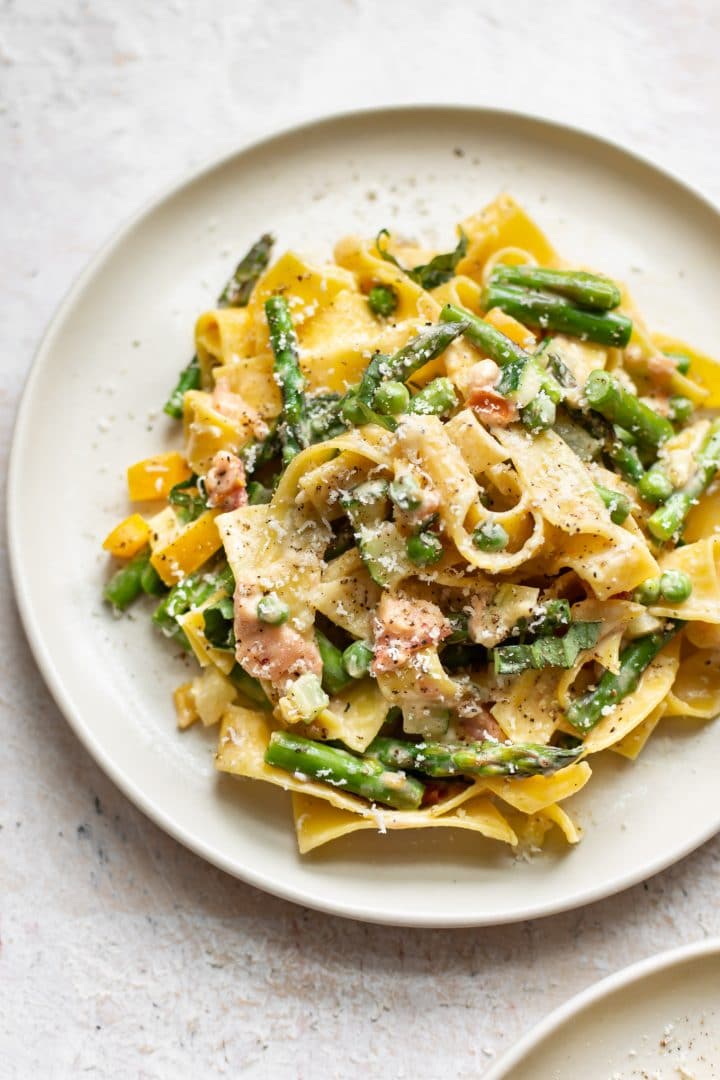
(121,954)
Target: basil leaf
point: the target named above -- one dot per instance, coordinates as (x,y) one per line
(428,275)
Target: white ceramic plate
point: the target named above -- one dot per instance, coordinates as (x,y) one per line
(656,1020)
(91,407)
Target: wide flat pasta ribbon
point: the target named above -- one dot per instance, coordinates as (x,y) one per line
(608,557)
(631,744)
(526,706)
(701,562)
(425,441)
(652,690)
(502,224)
(347,595)
(696,690)
(317,822)
(533,793)
(222,335)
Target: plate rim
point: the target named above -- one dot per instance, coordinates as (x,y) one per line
(594,993)
(52,676)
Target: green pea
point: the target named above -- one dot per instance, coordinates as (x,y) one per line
(392,398)
(648,592)
(675,586)
(272,610)
(682,361)
(424,549)
(258,493)
(491,536)
(681,409)
(357,659)
(435,399)
(620,508)
(353,411)
(382,300)
(405,492)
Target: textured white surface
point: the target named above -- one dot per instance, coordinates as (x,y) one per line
(121,953)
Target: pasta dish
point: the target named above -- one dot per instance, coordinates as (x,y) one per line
(443,527)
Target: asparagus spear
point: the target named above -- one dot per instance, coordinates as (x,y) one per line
(520,371)
(617,444)
(235,294)
(294,433)
(259,452)
(478,332)
(517,364)
(358,404)
(189,379)
(552,312)
(655,486)
(358,412)
(325,422)
(681,409)
(557,365)
(668,520)
(607,396)
(539,414)
(487,758)
(418,352)
(249,687)
(363,776)
(151,582)
(587,290)
(334,674)
(239,288)
(588,710)
(189,593)
(627,461)
(126,584)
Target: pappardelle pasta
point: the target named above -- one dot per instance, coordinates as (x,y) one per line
(444,526)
